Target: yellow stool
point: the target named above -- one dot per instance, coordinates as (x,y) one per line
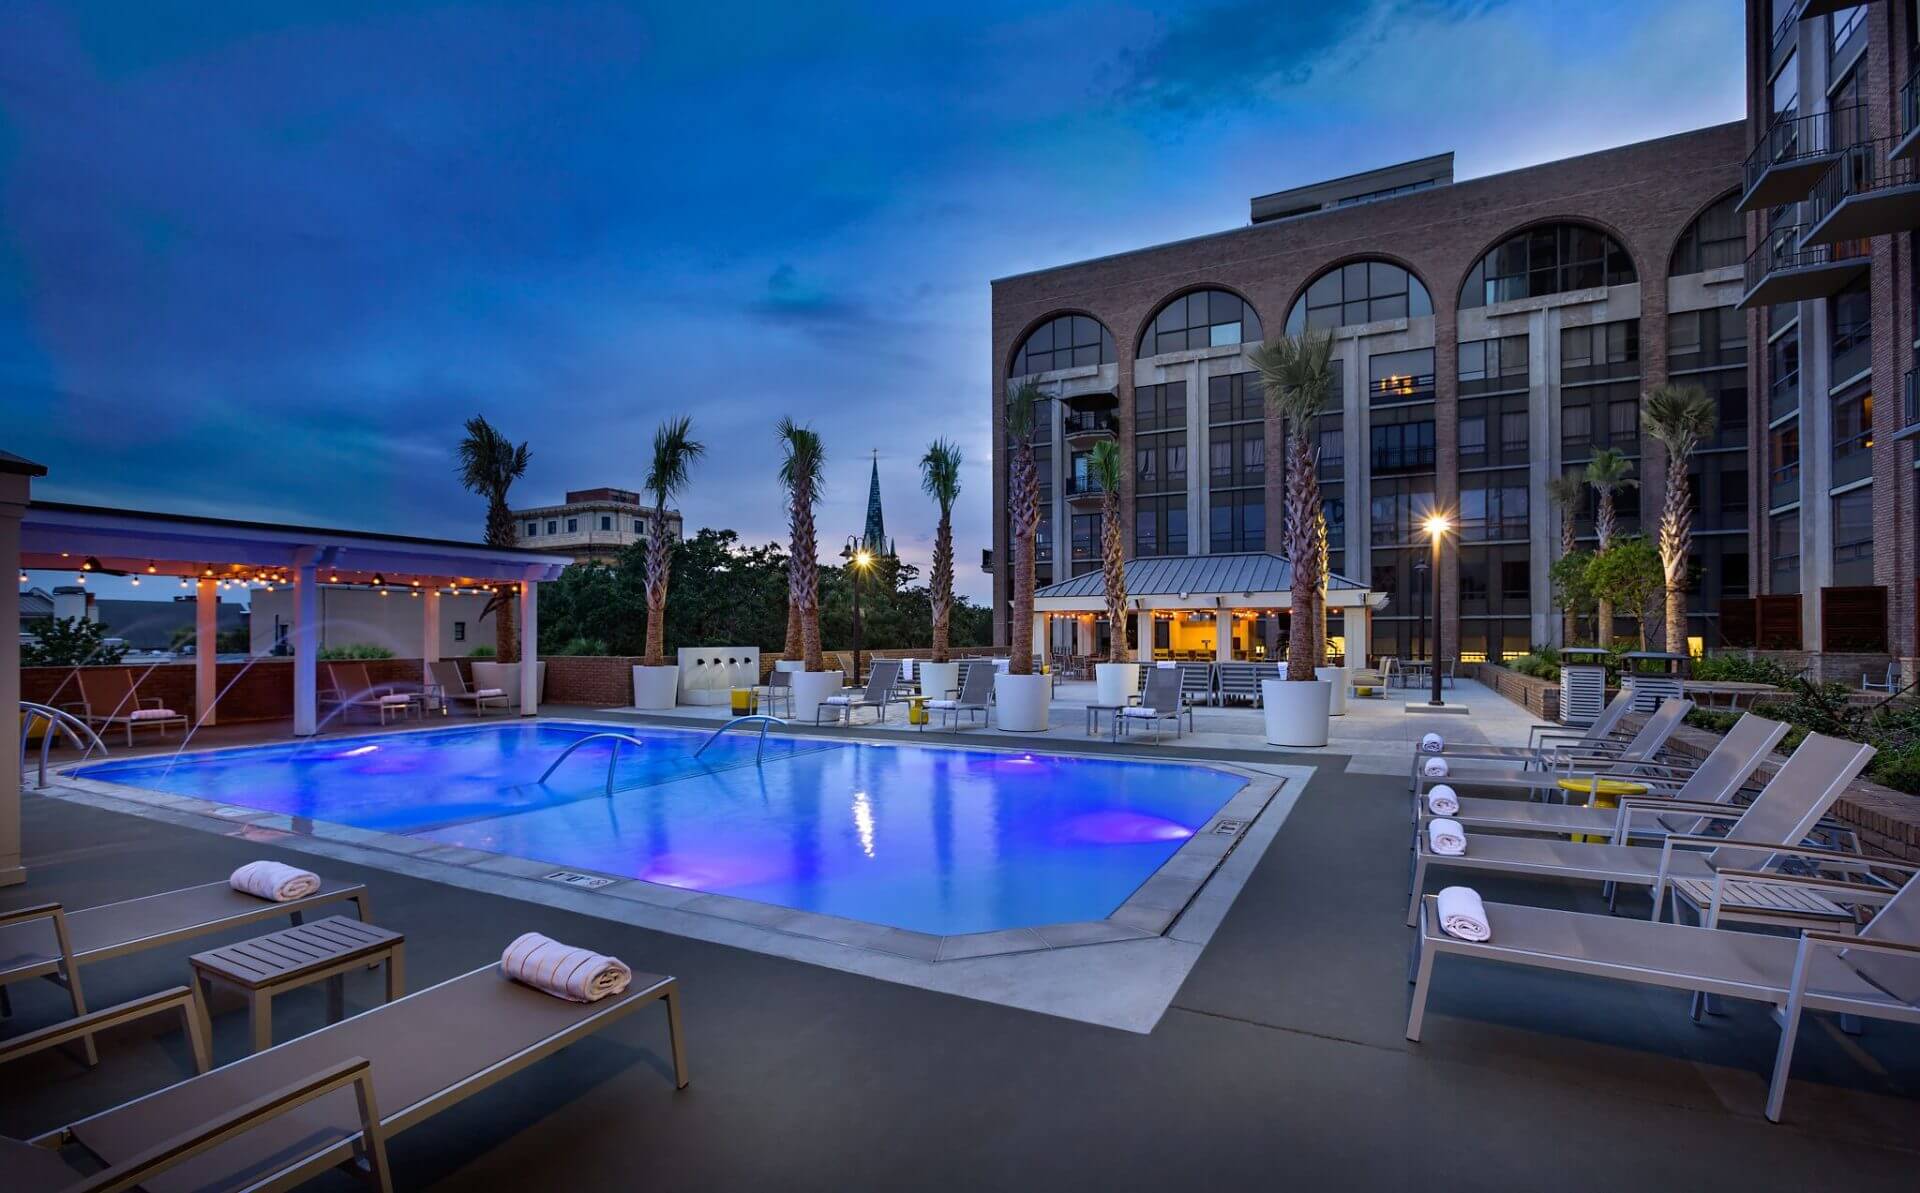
(1600,793)
(744,702)
(916,710)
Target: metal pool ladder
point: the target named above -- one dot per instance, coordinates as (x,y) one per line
(57,721)
(761,717)
(613,755)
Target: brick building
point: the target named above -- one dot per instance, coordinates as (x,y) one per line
(1490,335)
(592,524)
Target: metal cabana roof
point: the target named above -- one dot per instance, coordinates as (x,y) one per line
(1257,578)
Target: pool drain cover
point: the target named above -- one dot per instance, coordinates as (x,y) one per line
(592,882)
(1229,828)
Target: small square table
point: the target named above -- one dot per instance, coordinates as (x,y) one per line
(1094,713)
(294,957)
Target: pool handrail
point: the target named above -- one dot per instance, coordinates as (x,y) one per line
(58,720)
(764,719)
(613,755)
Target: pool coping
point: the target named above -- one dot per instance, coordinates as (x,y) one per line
(1148,913)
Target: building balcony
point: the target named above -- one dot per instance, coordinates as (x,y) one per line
(1086,426)
(1909,405)
(1783,269)
(1864,195)
(1083,490)
(1407,388)
(1852,459)
(1794,153)
(1907,144)
(1789,21)
(1808,9)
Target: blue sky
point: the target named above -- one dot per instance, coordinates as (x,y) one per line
(262,258)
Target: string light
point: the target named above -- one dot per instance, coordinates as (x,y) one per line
(82,577)
(183,582)
(150,568)
(136,581)
(23,575)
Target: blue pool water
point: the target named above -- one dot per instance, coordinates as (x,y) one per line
(934,840)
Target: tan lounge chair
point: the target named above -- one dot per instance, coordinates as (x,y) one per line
(351,687)
(453,687)
(109,697)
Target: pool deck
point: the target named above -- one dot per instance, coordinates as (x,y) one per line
(1280,1061)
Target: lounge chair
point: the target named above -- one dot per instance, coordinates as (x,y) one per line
(1869,684)
(1159,701)
(1721,775)
(1875,974)
(453,687)
(1783,814)
(1640,758)
(109,697)
(349,686)
(1602,735)
(975,696)
(282,1116)
(776,691)
(881,680)
(47,941)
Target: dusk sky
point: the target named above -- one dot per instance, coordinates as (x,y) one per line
(261,259)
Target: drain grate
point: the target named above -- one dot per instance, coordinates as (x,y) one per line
(1229,828)
(592,882)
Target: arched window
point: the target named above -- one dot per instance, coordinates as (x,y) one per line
(1549,259)
(1064,343)
(1359,292)
(1202,319)
(1715,239)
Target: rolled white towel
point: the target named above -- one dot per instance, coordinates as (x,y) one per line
(577,975)
(152,714)
(1443,800)
(1436,768)
(1433,743)
(1446,837)
(491,692)
(274,880)
(1462,914)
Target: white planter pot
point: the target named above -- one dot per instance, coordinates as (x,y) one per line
(1337,676)
(938,679)
(810,688)
(1296,711)
(789,664)
(656,687)
(1020,702)
(1115,683)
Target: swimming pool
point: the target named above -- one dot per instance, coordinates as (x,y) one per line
(933,840)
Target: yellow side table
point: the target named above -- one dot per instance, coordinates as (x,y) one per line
(916,710)
(744,702)
(1600,793)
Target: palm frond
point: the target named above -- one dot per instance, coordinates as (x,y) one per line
(1566,491)
(1297,374)
(674,451)
(1103,465)
(1609,470)
(488,461)
(803,458)
(940,473)
(1679,416)
(1023,404)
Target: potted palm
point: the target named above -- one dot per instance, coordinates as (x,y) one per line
(803,460)
(1609,471)
(1297,375)
(1564,492)
(1679,416)
(489,464)
(940,478)
(656,683)
(1117,679)
(1020,697)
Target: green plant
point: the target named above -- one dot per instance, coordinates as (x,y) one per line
(70,642)
(1104,467)
(578,646)
(1679,416)
(483,652)
(1297,375)
(1565,494)
(1023,505)
(1572,591)
(489,463)
(1609,471)
(940,480)
(803,463)
(1626,574)
(1735,668)
(1536,666)
(674,451)
(1713,720)
(354,650)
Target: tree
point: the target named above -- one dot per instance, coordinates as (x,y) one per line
(674,451)
(1679,416)
(489,464)
(803,462)
(1628,574)
(70,642)
(1103,465)
(1565,493)
(1571,589)
(940,479)
(1023,506)
(1297,373)
(1608,472)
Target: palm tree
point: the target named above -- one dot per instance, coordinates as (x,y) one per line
(1565,493)
(1297,373)
(1608,473)
(1679,416)
(674,451)
(1023,500)
(1103,465)
(940,479)
(489,464)
(803,461)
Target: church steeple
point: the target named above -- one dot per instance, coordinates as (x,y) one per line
(874,538)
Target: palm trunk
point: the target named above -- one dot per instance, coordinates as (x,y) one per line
(1676,536)
(794,647)
(1603,529)
(1026,523)
(506,628)
(1113,563)
(941,585)
(804,577)
(1569,619)
(1303,503)
(1322,565)
(659,560)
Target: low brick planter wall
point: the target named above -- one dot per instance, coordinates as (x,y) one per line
(1541,697)
(255,690)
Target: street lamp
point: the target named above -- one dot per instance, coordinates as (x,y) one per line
(1437,527)
(860,559)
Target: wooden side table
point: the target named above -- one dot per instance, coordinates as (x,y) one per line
(294,957)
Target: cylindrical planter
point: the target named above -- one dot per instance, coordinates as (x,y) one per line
(1296,711)
(656,687)
(937,680)
(1115,683)
(789,664)
(1337,676)
(810,688)
(1020,702)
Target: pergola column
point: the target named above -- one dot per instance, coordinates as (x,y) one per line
(206,649)
(1223,635)
(15,481)
(530,643)
(429,633)
(304,634)
(1143,635)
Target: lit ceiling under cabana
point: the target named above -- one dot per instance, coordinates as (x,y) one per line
(1246,580)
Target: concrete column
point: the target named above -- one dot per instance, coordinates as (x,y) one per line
(1143,635)
(304,636)
(429,633)
(13,505)
(530,645)
(1223,635)
(206,649)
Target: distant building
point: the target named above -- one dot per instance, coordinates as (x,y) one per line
(142,625)
(354,616)
(590,524)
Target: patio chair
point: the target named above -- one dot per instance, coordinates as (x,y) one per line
(349,686)
(109,697)
(1547,742)
(1875,974)
(453,688)
(878,693)
(282,1116)
(975,696)
(1785,812)
(1639,758)
(47,941)
(1160,701)
(1869,684)
(776,691)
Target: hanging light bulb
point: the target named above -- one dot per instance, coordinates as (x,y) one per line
(136,581)
(333,578)
(23,575)
(82,577)
(86,565)
(183,582)
(150,568)
(378,580)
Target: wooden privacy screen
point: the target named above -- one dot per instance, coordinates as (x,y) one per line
(1777,622)
(1854,620)
(1737,622)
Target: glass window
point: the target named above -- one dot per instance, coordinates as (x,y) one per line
(573,525)
(1235,398)
(1785,88)
(1600,351)
(606,521)
(639,527)
(1400,376)
(553,526)
(1547,260)
(1359,292)
(1402,447)
(1783,548)
(1853,537)
(1332,449)
(1202,319)
(459,631)
(1513,433)
(1845,22)
(1491,366)
(533,529)
(1473,437)
(1850,314)
(1237,521)
(1064,342)
(1716,238)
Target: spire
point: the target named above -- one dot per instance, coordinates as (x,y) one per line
(875,537)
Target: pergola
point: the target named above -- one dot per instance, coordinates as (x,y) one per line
(1216,587)
(206,553)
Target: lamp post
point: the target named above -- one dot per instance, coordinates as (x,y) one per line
(859,559)
(1437,527)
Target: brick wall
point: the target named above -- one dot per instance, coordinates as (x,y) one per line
(255,690)
(1540,697)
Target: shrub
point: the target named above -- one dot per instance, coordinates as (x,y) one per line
(483,652)
(1735,668)
(579,646)
(1536,665)
(354,650)
(70,642)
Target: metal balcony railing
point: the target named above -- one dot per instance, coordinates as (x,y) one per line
(1785,268)
(1863,194)
(1909,405)
(1082,423)
(1082,486)
(1793,153)
(1909,115)
(1405,388)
